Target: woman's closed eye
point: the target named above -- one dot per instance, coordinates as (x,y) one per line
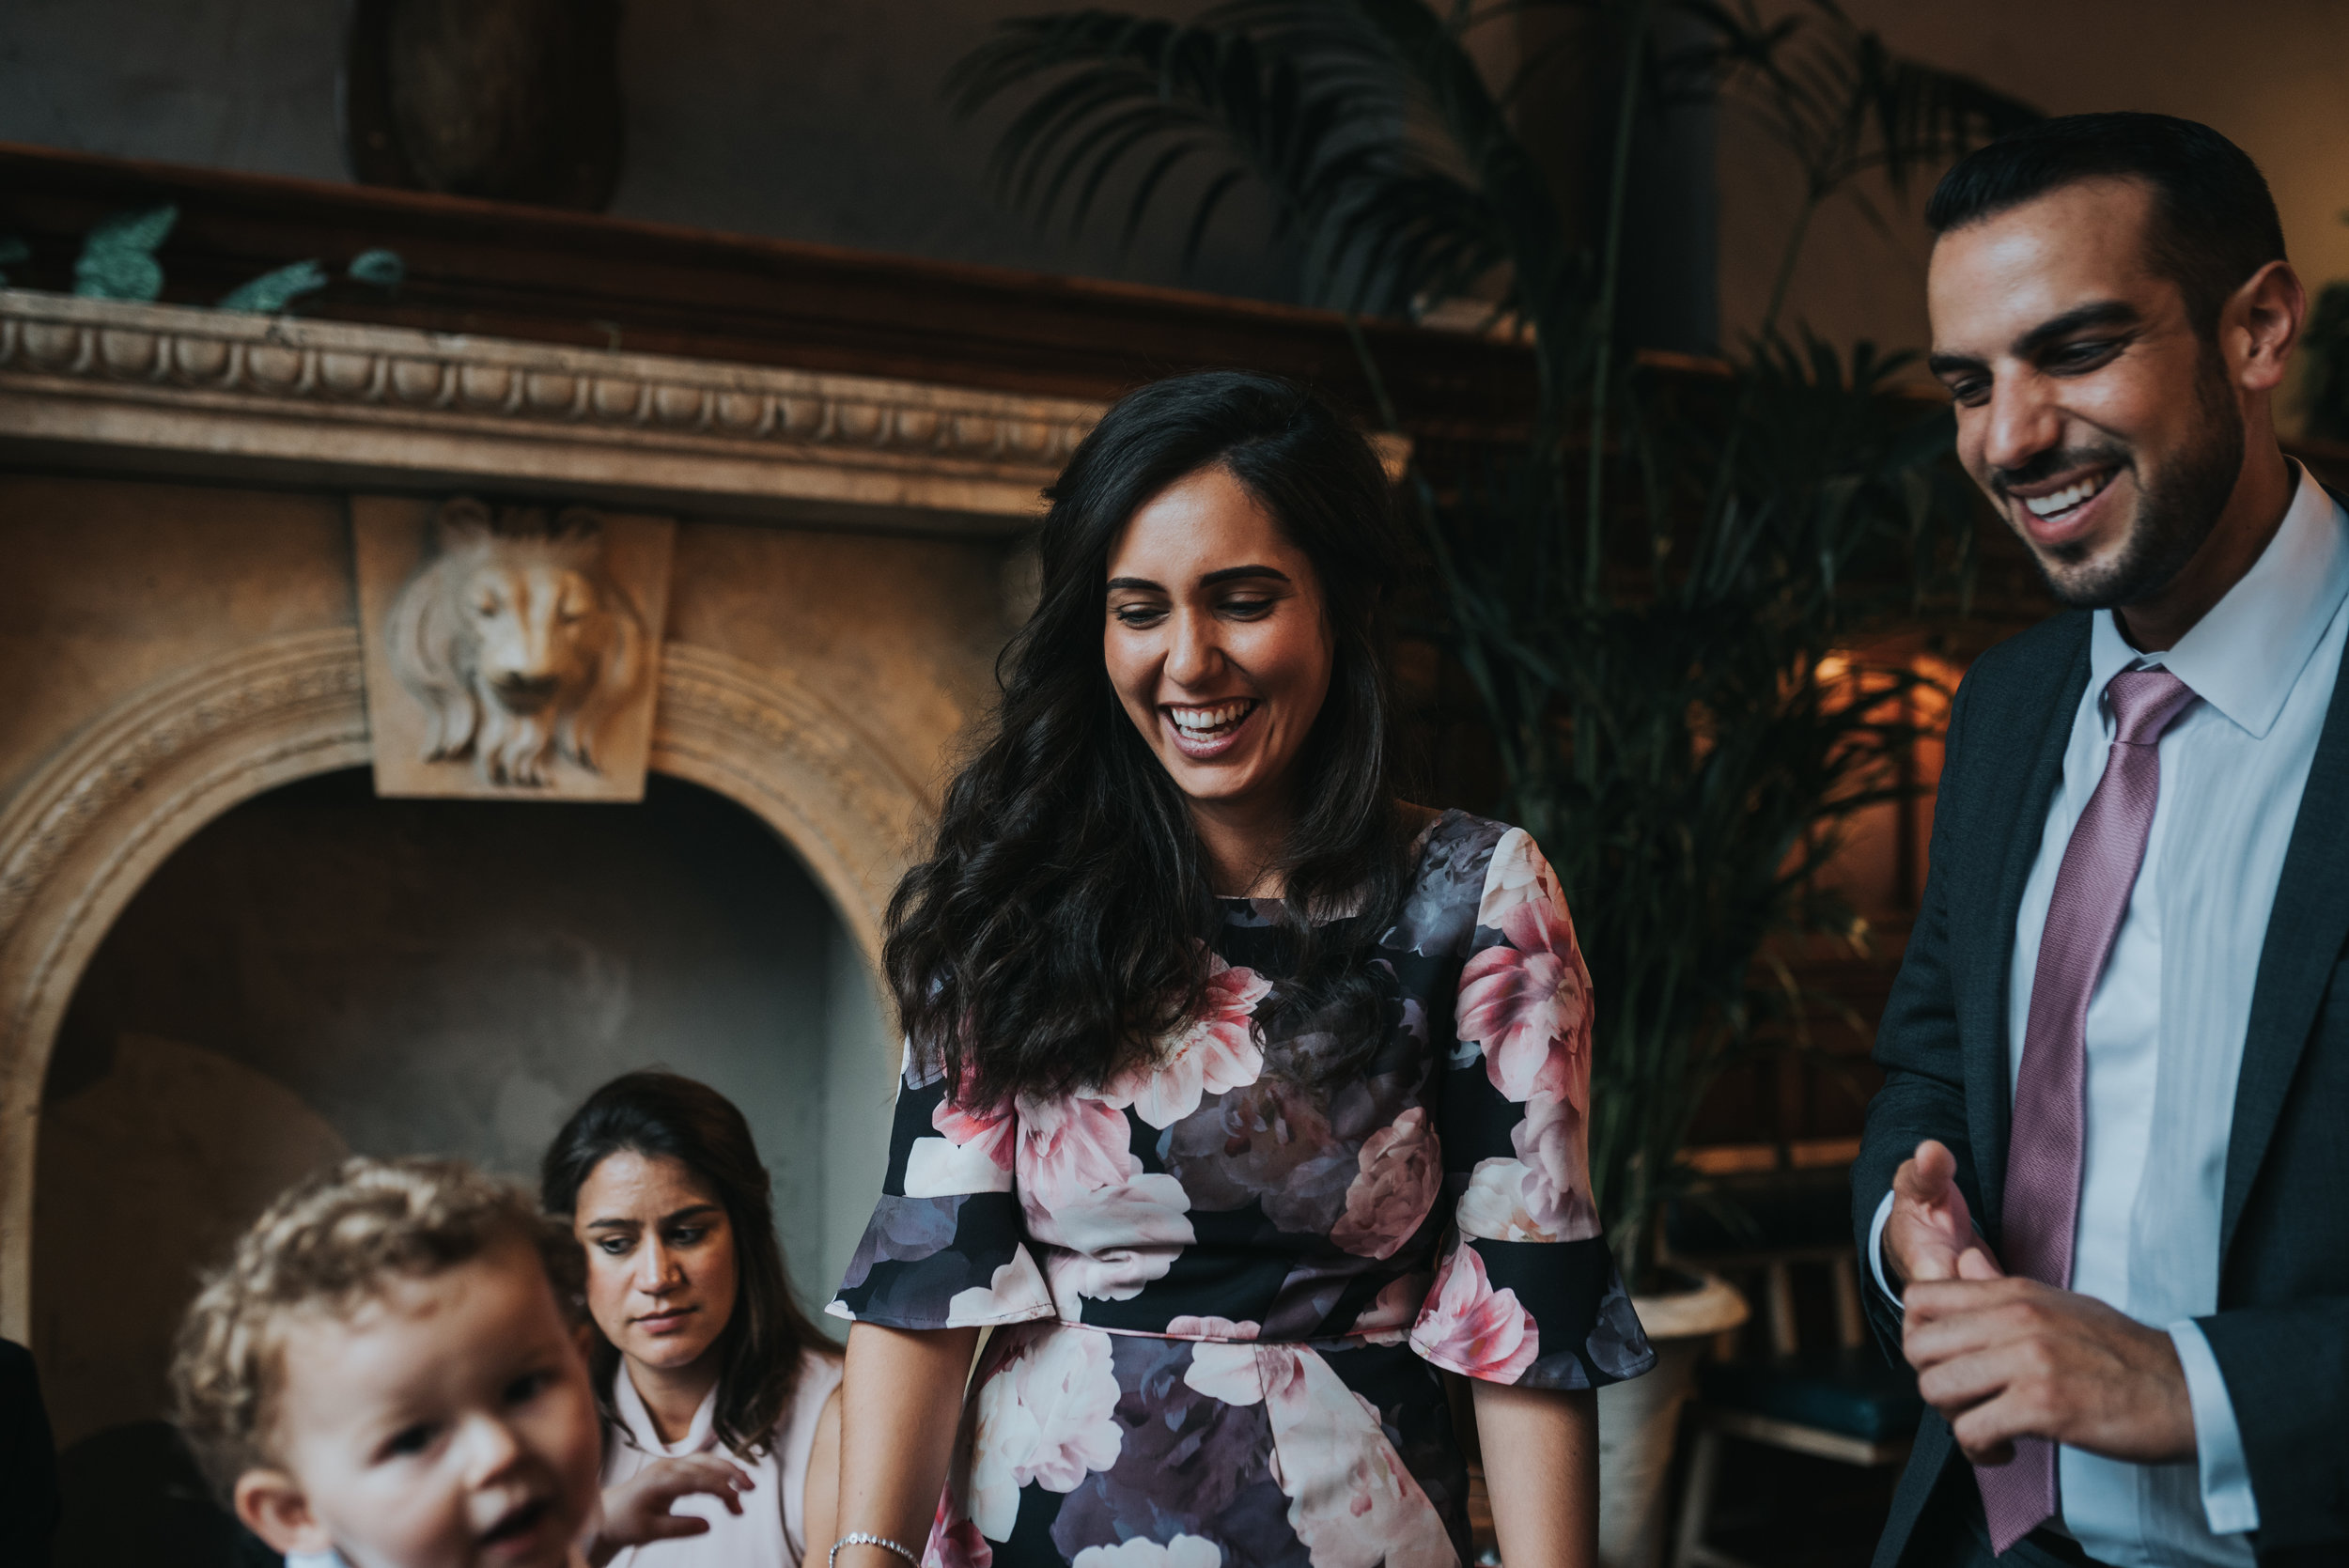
(1140,615)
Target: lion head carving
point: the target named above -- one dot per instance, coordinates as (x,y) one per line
(517,640)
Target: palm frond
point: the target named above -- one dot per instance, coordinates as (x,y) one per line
(1364,122)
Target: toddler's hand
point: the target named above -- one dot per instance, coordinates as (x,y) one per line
(636,1512)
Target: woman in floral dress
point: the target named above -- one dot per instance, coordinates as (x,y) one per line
(1240,1097)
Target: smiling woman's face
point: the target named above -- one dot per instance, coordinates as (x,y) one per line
(1215,640)
(660,1267)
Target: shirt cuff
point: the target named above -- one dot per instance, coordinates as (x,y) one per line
(2228,1506)
(1876,1255)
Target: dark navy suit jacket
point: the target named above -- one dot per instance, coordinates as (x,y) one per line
(2281,1332)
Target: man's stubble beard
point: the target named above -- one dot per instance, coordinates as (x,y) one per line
(2178,507)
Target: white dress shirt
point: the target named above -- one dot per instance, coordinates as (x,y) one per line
(2166,1024)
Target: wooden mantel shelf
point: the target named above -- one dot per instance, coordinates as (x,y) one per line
(490,269)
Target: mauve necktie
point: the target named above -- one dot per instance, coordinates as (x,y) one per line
(2042,1156)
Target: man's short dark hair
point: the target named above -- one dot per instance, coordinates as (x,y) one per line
(2214,223)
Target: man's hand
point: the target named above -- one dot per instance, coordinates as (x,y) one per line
(2007,1359)
(1930,1231)
(636,1512)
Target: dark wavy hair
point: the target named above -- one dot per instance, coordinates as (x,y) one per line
(663,1115)
(2213,223)
(1054,934)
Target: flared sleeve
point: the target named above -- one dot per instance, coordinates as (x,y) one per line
(946,1247)
(1526,1292)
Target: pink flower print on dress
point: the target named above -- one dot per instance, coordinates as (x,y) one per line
(1553,1144)
(941,1168)
(1109,1244)
(1401,1168)
(1388,1320)
(1494,1205)
(1046,1415)
(1528,1003)
(1473,1329)
(1352,1501)
(1187,1328)
(1016,1294)
(1225,1372)
(1516,874)
(991,1132)
(956,1545)
(1184,1551)
(1071,1146)
(1215,1051)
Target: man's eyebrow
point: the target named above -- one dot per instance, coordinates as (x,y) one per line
(2104,313)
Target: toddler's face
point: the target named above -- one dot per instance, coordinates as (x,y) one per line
(443,1424)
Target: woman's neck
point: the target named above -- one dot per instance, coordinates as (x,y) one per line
(1241,844)
(673,1395)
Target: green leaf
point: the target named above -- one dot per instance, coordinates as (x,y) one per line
(272,292)
(117,259)
(384,269)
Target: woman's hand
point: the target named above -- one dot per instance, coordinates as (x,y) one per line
(636,1512)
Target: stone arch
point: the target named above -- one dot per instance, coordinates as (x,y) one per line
(93,823)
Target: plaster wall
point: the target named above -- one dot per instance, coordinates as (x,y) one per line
(114,583)
(2273,75)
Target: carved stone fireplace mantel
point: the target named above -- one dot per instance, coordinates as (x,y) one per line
(174,389)
(181,628)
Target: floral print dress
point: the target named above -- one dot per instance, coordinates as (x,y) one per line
(1220,1291)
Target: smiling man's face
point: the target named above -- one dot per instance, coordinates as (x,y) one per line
(2104,429)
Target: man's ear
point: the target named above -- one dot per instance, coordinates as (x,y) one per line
(2261,324)
(273,1507)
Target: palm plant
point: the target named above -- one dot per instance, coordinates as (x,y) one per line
(1659,596)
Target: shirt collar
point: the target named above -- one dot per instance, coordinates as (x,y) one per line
(630,1405)
(2245,656)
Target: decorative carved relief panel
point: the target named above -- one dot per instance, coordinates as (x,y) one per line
(511,650)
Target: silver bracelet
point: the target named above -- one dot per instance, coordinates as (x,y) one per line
(858,1538)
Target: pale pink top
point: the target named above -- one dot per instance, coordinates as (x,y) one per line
(772,1529)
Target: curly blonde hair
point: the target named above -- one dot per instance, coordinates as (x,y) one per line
(330,1244)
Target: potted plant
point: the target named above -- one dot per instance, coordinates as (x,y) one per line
(1664,594)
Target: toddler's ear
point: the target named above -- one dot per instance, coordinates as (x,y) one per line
(273,1507)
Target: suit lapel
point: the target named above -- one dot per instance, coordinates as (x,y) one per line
(2025,759)
(2306,932)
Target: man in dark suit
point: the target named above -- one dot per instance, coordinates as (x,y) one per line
(2105,1190)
